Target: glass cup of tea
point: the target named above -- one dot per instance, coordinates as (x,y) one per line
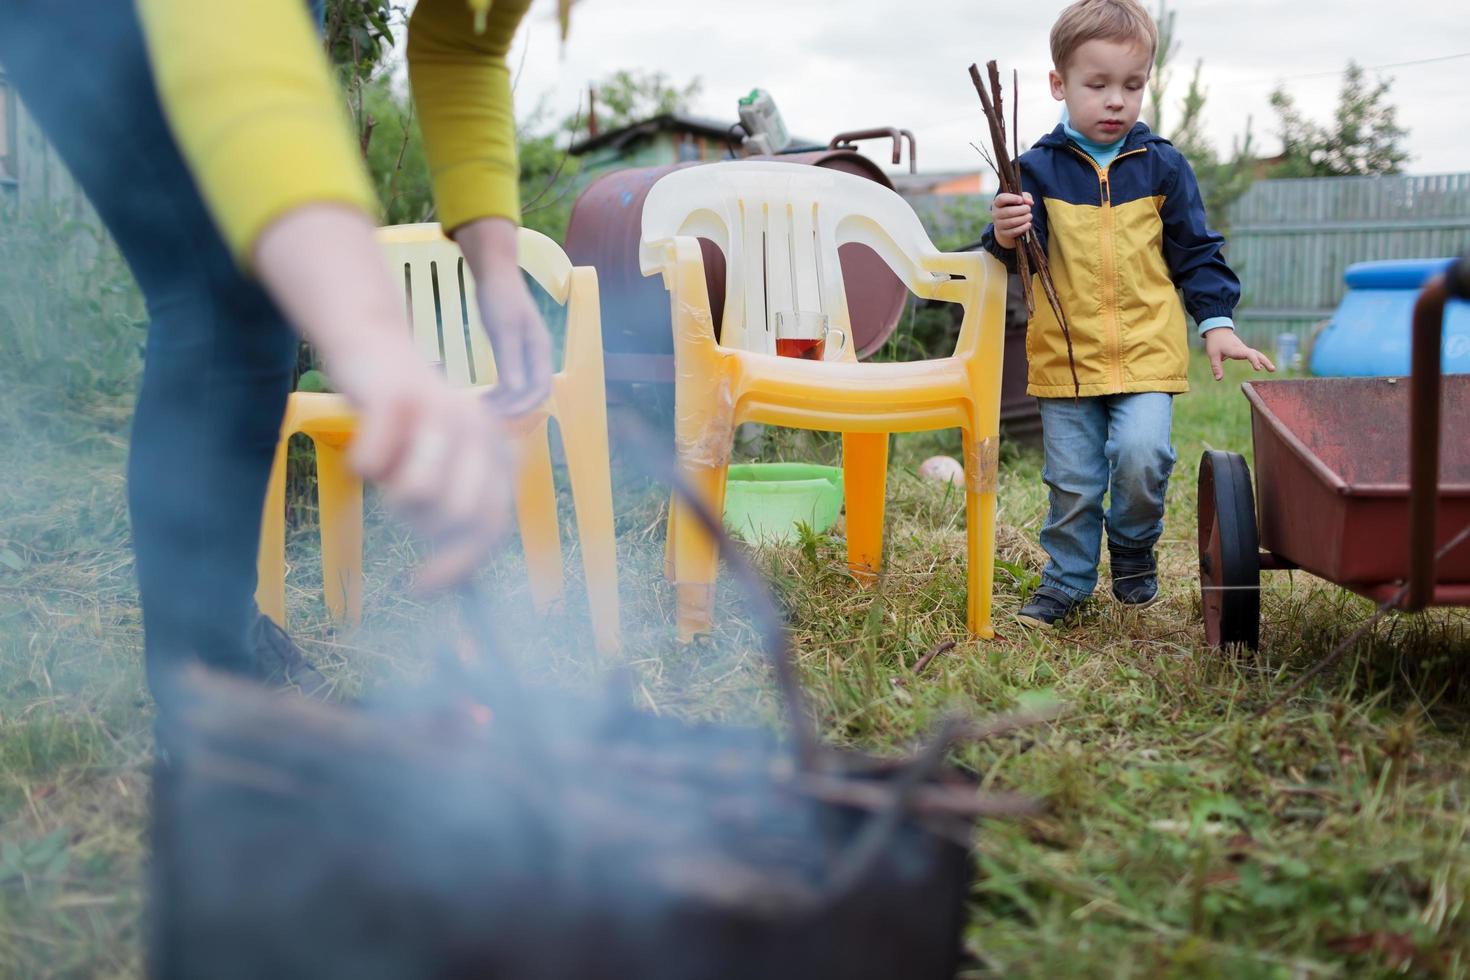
(804,334)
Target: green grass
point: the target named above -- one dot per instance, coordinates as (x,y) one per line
(1187,834)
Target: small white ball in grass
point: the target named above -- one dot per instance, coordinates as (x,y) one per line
(942,469)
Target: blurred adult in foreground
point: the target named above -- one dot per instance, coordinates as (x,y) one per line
(214,145)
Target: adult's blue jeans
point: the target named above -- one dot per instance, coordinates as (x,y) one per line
(219,354)
(1114,445)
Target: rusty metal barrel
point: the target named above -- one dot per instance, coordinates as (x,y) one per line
(604,232)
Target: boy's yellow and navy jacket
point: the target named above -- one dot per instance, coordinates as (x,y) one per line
(1122,242)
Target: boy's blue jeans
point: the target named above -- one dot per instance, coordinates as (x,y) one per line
(1117,443)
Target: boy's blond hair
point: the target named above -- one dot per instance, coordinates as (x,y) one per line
(1101,20)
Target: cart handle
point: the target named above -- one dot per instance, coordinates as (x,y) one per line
(1424,425)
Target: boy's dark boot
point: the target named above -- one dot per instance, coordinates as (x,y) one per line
(1046,607)
(1135,575)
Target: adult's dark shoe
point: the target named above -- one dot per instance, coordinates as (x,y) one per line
(281,662)
(1046,607)
(1135,575)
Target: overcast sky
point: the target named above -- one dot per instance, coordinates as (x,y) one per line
(863,63)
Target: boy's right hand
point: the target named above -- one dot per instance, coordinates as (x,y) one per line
(1011,215)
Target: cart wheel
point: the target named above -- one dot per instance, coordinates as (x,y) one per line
(1229,562)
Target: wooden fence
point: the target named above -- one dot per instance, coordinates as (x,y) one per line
(34,178)
(1291,240)
(40,197)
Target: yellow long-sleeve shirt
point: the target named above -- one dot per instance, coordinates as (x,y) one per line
(253,107)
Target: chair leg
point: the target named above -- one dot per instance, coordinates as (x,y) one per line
(339,495)
(696,554)
(980,536)
(270,557)
(588,468)
(536,514)
(864,482)
(670,526)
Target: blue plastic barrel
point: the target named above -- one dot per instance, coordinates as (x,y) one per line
(1368,334)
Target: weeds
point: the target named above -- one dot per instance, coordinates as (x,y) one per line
(1188,834)
(72,324)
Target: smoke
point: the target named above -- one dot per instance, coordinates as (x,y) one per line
(487,822)
(71,339)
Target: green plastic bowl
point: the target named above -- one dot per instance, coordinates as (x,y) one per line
(764,501)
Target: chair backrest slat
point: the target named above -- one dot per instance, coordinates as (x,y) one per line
(481,359)
(422,301)
(439,295)
(782,256)
(440,299)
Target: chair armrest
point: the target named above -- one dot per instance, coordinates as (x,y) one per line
(656,257)
(981,292)
(971,265)
(546,262)
(583,353)
(683,271)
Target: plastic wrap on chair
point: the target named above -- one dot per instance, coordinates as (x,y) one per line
(704,429)
(713,435)
(982,465)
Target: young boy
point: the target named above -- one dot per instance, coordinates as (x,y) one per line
(1118,213)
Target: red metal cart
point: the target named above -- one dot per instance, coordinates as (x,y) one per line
(1337,493)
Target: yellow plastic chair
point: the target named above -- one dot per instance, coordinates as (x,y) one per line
(441,304)
(780,226)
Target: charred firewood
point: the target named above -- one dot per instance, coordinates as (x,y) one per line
(302,839)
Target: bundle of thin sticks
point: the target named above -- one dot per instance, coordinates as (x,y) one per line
(1007,167)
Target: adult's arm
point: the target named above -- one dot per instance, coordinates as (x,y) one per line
(462,91)
(252,105)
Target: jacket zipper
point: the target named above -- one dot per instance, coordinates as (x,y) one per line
(1109,268)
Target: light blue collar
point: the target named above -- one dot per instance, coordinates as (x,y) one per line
(1102,153)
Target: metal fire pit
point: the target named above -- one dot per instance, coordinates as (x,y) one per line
(296,840)
(484,829)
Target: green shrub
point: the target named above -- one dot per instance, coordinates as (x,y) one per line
(72,320)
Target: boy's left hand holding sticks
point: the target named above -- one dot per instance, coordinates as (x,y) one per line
(1011,215)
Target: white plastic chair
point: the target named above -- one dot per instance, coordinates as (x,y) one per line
(780,226)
